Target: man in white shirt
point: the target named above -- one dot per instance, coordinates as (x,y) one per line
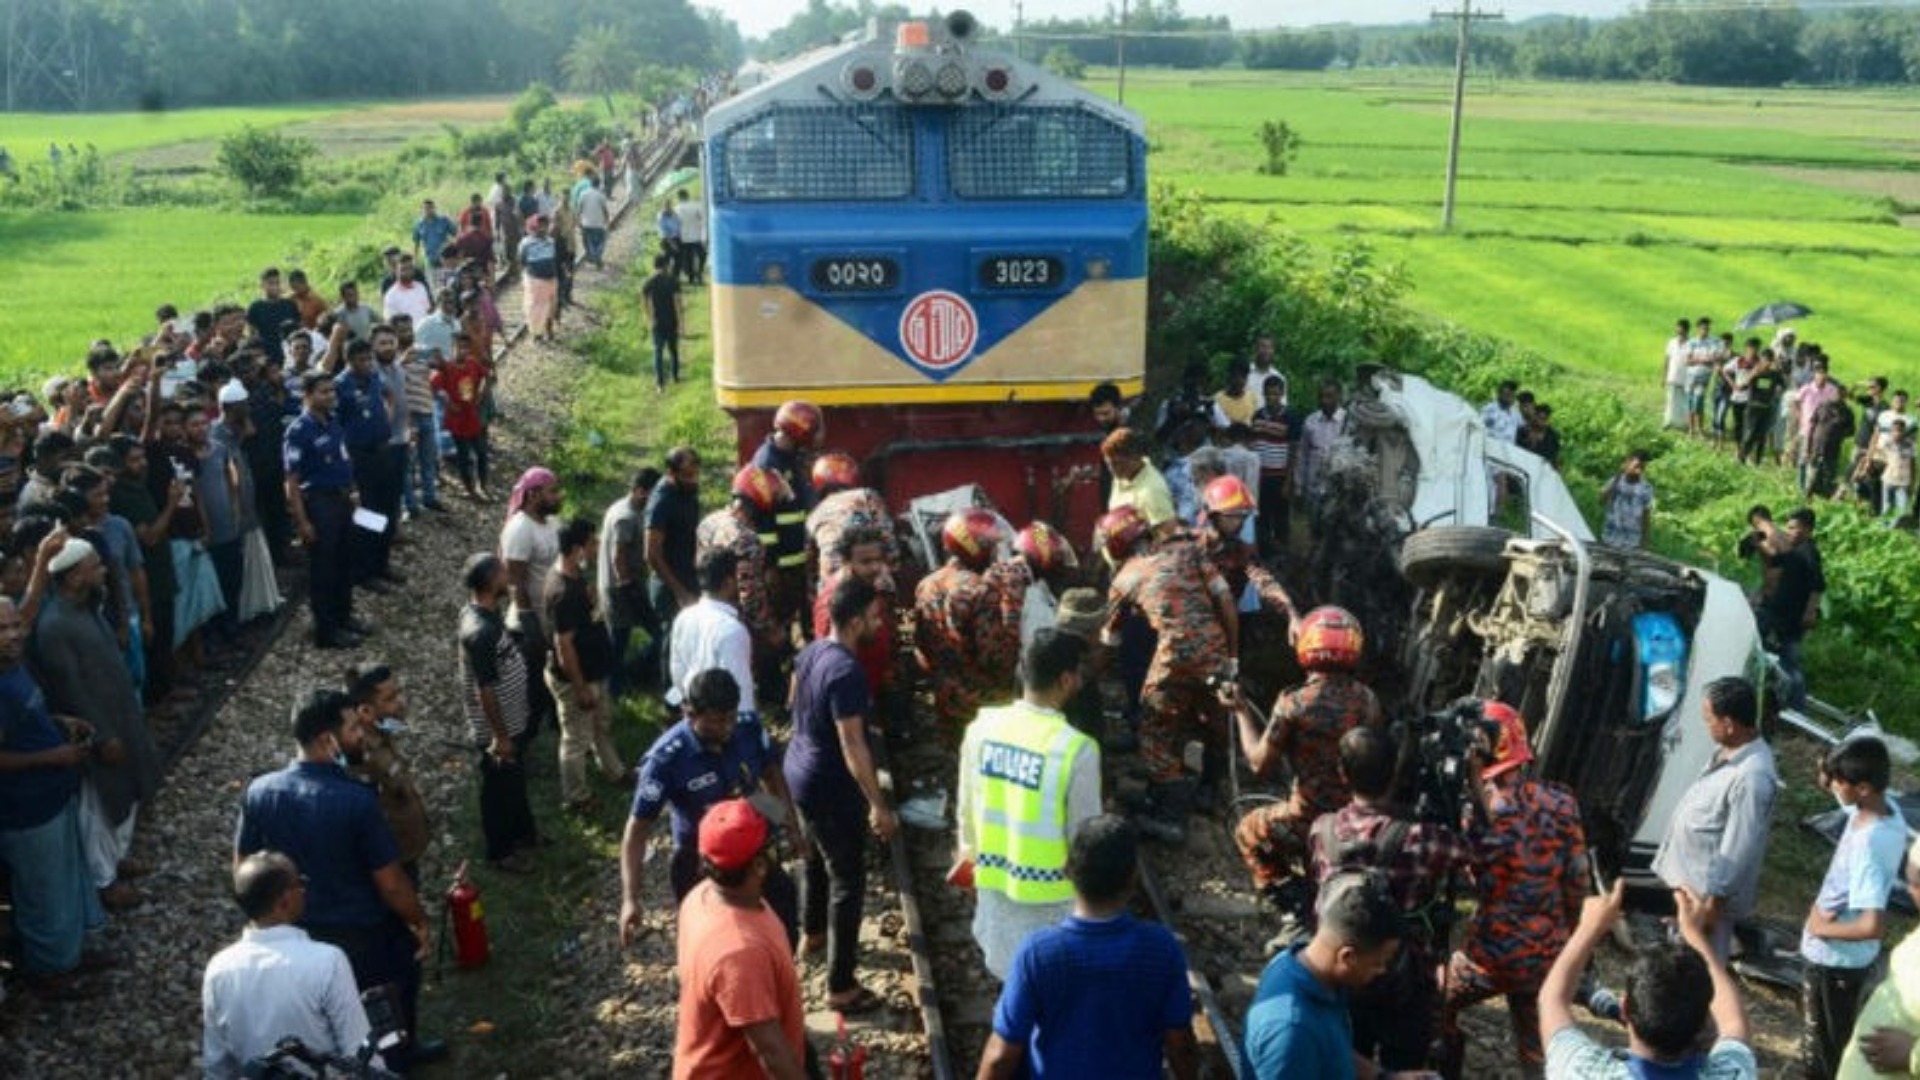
(407,295)
(1501,416)
(1679,347)
(710,633)
(276,981)
(693,237)
(596,216)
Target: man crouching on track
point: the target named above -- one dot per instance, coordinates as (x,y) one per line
(1028,780)
(1305,729)
(1192,613)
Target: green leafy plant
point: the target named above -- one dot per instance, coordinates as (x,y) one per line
(1281,143)
(263,161)
(1065,63)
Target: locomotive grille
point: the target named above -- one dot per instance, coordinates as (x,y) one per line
(819,153)
(1039,153)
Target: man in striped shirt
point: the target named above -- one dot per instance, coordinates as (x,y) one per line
(1274,429)
(493,683)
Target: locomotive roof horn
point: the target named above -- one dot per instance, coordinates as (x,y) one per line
(961,26)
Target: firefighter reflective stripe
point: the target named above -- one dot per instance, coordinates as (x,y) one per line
(1023,761)
(789,538)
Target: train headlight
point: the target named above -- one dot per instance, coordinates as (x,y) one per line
(861,81)
(997,84)
(951,80)
(1098,268)
(914,78)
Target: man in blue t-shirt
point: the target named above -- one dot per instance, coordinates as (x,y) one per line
(830,770)
(359,897)
(1297,1024)
(716,753)
(1102,994)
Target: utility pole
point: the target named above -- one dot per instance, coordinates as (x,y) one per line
(1019,12)
(1120,51)
(1466,17)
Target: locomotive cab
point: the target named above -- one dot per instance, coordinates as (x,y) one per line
(942,246)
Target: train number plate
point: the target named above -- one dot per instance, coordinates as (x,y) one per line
(1021,272)
(854,273)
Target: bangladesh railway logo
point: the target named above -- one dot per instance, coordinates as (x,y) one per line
(938,330)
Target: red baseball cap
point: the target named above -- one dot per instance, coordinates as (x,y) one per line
(732,833)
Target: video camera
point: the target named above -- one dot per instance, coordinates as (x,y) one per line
(292,1059)
(1440,758)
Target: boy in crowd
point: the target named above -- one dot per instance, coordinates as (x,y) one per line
(1841,940)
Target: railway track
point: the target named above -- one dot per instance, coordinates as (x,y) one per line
(954,994)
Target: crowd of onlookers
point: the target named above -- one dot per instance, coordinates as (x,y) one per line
(1779,402)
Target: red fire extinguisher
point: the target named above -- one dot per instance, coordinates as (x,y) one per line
(470,949)
(847,1061)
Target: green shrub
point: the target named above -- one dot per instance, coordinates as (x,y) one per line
(1063,62)
(537,98)
(557,136)
(1282,145)
(264,162)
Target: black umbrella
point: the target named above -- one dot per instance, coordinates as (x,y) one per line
(1777,312)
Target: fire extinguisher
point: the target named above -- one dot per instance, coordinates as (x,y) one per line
(847,1061)
(469,918)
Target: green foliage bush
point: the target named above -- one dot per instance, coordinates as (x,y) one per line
(537,98)
(1065,63)
(558,136)
(263,161)
(1282,145)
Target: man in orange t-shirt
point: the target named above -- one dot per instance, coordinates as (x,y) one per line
(740,1011)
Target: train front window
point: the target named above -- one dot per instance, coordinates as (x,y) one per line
(820,153)
(1039,153)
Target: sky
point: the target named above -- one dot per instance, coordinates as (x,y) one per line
(757,17)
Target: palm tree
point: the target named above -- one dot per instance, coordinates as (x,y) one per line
(599,62)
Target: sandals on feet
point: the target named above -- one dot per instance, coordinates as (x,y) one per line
(863,1001)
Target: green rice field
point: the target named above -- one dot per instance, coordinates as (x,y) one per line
(1588,216)
(71,277)
(26,135)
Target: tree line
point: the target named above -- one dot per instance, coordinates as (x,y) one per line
(163,54)
(1713,43)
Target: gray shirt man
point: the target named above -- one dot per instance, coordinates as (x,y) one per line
(1717,837)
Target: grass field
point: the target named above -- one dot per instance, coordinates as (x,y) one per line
(1589,217)
(70,278)
(26,135)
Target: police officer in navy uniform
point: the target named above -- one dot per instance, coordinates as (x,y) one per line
(319,487)
(715,753)
(365,418)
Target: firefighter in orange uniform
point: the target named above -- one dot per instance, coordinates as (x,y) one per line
(1304,730)
(1191,611)
(1026,592)
(953,613)
(737,527)
(843,505)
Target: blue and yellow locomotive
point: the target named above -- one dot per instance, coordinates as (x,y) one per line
(943,246)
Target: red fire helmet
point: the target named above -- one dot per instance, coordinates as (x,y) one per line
(1045,548)
(970,536)
(1227,495)
(1512,749)
(1118,531)
(800,421)
(834,471)
(1330,640)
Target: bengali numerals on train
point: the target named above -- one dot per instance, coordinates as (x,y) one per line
(855,273)
(1021,272)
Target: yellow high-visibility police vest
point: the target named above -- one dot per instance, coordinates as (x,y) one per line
(1023,764)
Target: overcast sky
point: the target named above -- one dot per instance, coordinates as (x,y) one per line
(757,17)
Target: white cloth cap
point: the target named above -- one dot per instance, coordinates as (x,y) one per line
(72,555)
(234,393)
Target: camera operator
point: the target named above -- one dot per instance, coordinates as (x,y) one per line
(1393,1018)
(276,982)
(1530,870)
